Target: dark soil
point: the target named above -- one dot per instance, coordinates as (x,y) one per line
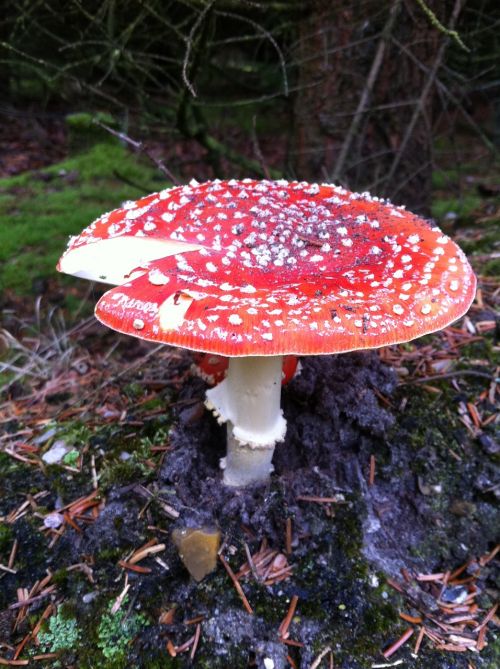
(30,140)
(425,512)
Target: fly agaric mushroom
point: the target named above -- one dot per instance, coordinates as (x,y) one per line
(255,270)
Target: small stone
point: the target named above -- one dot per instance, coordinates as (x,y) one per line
(454,595)
(48,434)
(56,452)
(490,446)
(198,549)
(268,663)
(89,597)
(460,507)
(488,482)
(53,520)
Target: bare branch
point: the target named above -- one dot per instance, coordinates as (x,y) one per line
(189,47)
(423,97)
(268,35)
(367,91)
(437,24)
(141,148)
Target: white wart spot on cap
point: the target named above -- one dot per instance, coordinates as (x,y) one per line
(157,278)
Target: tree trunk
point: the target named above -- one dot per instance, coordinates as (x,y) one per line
(365,100)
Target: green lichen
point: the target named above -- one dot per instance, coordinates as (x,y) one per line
(61,634)
(116,632)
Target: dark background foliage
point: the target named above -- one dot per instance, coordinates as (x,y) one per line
(356,92)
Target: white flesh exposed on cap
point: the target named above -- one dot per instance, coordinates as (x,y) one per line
(113,260)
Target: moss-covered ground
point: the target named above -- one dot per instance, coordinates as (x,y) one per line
(40,210)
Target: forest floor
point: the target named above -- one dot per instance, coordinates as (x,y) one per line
(374,544)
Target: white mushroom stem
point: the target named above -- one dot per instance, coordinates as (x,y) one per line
(249,401)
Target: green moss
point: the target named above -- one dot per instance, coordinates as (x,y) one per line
(133,390)
(153,403)
(491,268)
(60,577)
(8,465)
(84,131)
(442,179)
(6,538)
(121,473)
(483,244)
(462,207)
(37,216)
(117,471)
(110,554)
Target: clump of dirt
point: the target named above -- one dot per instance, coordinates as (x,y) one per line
(334,422)
(30,141)
(337,420)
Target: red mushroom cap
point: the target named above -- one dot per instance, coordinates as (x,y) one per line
(213,368)
(269,268)
(210,367)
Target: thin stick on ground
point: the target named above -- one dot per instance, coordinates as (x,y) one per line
(320,657)
(251,564)
(195,642)
(288,536)
(400,642)
(283,628)
(237,585)
(371,477)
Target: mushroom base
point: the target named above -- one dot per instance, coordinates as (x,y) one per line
(244,465)
(249,401)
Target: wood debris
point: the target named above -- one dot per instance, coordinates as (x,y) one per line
(371,475)
(151,547)
(82,510)
(237,585)
(190,645)
(167,617)
(448,614)
(21,610)
(283,628)
(422,363)
(267,565)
